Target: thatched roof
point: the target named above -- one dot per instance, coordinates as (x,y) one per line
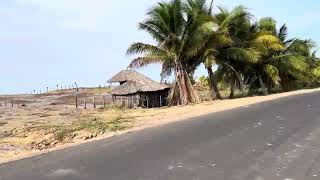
(134,83)
(127,75)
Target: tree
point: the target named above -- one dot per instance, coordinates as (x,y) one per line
(220,40)
(180,31)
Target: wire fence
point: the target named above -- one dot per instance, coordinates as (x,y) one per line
(78,102)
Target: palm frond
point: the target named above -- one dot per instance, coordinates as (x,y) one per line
(139,48)
(267,24)
(246,55)
(146,60)
(266,42)
(283,33)
(272,72)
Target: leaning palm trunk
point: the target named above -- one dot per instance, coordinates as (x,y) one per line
(215,94)
(182,92)
(232,88)
(251,86)
(263,86)
(241,83)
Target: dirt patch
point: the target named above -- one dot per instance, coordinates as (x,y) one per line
(3,123)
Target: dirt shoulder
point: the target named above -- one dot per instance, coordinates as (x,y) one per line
(30,131)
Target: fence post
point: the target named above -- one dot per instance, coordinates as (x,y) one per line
(5,101)
(160,101)
(104,102)
(76,102)
(12,103)
(85,103)
(94,102)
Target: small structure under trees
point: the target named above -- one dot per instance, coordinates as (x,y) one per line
(137,90)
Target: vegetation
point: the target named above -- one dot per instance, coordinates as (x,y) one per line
(251,56)
(95,125)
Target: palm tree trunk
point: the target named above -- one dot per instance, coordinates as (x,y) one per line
(270,85)
(241,83)
(232,88)
(284,83)
(251,89)
(215,94)
(263,86)
(182,93)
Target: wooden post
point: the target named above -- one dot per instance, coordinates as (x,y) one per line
(12,103)
(132,106)
(85,103)
(160,101)
(147,101)
(77,102)
(104,102)
(94,102)
(5,101)
(76,85)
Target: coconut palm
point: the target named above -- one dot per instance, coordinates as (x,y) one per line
(247,45)
(219,43)
(289,65)
(180,32)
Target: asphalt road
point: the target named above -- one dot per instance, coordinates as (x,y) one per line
(268,141)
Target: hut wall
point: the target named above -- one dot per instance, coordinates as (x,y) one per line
(127,101)
(144,99)
(154,99)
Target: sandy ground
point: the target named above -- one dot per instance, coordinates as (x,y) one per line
(26,139)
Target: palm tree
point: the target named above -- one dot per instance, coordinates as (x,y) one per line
(243,46)
(180,32)
(289,65)
(221,40)
(295,63)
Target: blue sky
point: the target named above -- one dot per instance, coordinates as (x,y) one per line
(49,42)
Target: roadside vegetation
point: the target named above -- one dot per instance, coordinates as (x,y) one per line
(250,56)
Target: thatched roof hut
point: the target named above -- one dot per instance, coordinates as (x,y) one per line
(127,75)
(138,90)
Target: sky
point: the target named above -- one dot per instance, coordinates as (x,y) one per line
(44,43)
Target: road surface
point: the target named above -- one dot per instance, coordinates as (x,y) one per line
(268,141)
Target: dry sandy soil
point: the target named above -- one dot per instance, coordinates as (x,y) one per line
(51,122)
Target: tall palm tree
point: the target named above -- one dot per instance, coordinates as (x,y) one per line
(245,47)
(290,64)
(180,32)
(220,40)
